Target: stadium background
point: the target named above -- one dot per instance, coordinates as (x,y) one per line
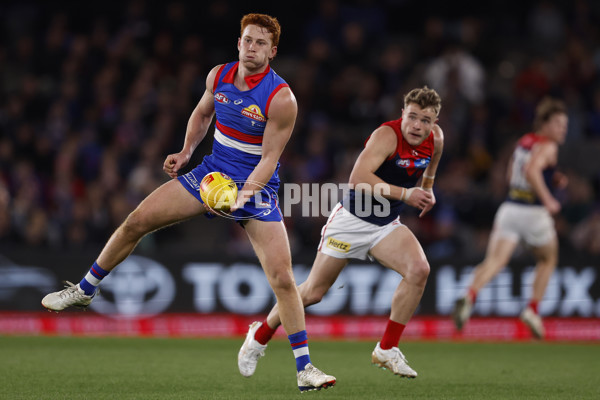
(94,96)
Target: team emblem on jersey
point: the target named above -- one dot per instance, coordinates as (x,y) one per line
(253,111)
(221,98)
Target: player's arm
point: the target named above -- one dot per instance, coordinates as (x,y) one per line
(381,145)
(197,126)
(282,117)
(542,155)
(429,174)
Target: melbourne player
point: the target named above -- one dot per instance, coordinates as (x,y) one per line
(526,215)
(397,155)
(255,115)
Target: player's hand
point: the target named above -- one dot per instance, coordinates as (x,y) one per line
(242,197)
(430,205)
(559,180)
(552,205)
(419,198)
(174,162)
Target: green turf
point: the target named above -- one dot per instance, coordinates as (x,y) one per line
(134,368)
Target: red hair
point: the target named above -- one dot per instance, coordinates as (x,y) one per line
(266,21)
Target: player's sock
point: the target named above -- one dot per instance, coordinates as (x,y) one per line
(533,304)
(472,295)
(264,333)
(299,342)
(392,334)
(92,279)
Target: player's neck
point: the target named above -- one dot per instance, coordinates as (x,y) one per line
(244,72)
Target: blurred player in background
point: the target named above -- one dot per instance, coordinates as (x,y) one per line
(256,112)
(395,157)
(526,214)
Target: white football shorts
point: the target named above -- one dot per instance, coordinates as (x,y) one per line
(347,236)
(531,223)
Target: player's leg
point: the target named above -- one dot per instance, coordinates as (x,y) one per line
(323,274)
(270,242)
(325,270)
(498,253)
(400,250)
(168,204)
(547,258)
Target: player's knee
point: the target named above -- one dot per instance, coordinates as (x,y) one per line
(135,225)
(418,273)
(311,295)
(282,280)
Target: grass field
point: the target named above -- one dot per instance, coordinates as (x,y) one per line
(138,368)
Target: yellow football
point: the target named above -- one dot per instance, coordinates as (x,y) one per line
(218,191)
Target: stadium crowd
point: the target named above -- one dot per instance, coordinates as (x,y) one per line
(93,97)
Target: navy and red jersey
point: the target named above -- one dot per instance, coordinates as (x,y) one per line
(403,168)
(520,190)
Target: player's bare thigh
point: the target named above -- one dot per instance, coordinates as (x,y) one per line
(270,242)
(399,250)
(168,204)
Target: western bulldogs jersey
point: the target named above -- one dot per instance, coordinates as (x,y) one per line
(237,146)
(403,168)
(520,191)
(242,115)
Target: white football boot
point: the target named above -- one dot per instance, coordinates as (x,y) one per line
(250,352)
(534,322)
(462,312)
(72,296)
(311,378)
(394,360)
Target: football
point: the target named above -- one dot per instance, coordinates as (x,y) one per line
(218,191)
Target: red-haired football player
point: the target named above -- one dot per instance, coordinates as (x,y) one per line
(255,115)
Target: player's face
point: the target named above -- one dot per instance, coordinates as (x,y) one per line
(557,127)
(417,123)
(256,47)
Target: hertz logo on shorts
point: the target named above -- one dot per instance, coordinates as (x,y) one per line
(338,245)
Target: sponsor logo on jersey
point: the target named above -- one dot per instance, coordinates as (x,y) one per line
(221,98)
(254,112)
(421,162)
(338,245)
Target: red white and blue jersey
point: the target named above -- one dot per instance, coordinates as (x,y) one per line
(403,168)
(242,115)
(520,190)
(237,147)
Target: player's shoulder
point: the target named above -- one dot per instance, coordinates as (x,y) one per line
(438,133)
(283,98)
(384,136)
(212,75)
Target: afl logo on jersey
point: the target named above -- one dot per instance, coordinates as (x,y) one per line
(403,163)
(221,98)
(253,111)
